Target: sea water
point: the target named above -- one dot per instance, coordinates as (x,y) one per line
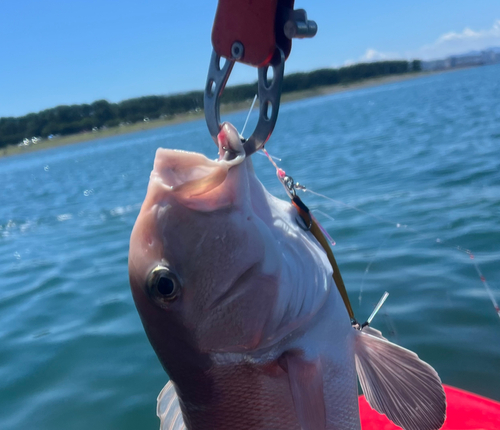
(419,159)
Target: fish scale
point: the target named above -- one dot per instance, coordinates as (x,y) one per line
(346,417)
(245,397)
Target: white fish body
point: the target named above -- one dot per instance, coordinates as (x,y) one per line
(240,306)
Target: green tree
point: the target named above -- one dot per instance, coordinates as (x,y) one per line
(78,118)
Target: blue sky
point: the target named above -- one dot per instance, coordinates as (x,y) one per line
(64,52)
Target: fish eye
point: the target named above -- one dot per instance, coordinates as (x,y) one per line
(163,285)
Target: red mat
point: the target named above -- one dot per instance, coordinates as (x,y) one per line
(465,411)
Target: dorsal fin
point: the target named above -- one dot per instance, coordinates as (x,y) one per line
(169,410)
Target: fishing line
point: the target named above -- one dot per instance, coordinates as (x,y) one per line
(332,242)
(324,214)
(444,243)
(370,265)
(281,175)
(249,113)
(245,126)
(383,220)
(323,230)
(264,155)
(307,222)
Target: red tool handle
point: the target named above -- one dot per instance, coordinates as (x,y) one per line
(249,31)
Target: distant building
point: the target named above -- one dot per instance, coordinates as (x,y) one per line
(436,65)
(471,59)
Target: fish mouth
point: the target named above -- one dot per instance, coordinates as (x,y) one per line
(188,174)
(198,182)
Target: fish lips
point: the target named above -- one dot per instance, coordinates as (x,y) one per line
(195,181)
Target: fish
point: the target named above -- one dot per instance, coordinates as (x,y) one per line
(238,302)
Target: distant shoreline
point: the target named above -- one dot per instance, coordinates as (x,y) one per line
(226,108)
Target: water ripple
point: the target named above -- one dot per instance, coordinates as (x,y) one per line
(420,157)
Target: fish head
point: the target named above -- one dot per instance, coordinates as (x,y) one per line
(204,270)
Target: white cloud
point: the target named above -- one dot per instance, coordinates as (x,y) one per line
(450,43)
(374,55)
(457,43)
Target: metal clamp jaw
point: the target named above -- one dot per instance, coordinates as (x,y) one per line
(268,92)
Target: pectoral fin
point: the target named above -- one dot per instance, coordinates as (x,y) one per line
(398,384)
(169,410)
(306,385)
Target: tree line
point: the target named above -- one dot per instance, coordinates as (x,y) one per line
(64,120)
